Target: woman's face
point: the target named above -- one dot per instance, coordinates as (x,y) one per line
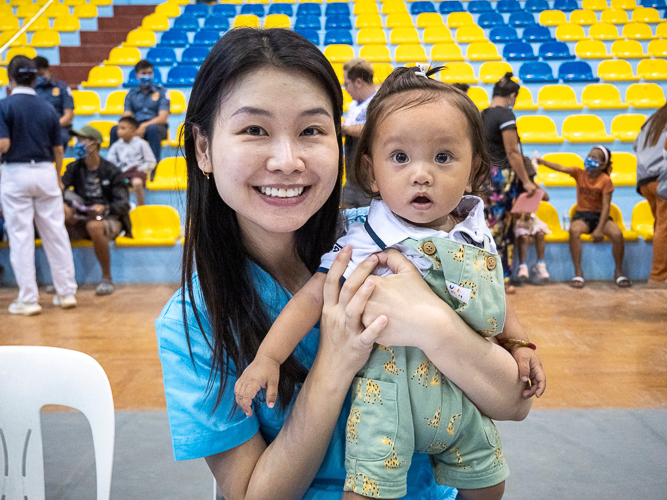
(273,150)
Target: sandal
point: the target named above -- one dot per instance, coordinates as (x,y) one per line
(623,282)
(577,282)
(104,288)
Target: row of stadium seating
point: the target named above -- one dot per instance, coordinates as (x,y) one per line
(27,11)
(66,23)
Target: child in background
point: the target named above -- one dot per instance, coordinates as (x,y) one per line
(594,190)
(420,166)
(133,156)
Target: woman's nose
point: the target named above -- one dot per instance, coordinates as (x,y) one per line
(285,157)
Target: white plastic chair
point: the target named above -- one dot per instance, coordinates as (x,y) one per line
(31,377)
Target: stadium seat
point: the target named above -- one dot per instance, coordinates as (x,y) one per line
(458,72)
(623,169)
(637,31)
(585,128)
(549,215)
(308,9)
(115,104)
(307,22)
(480,6)
(614,16)
(338,69)
(194,55)
(410,53)
(338,37)
(459,19)
(569,32)
(399,21)
(470,34)
(339,53)
(509,6)
(503,34)
(446,52)
(228,10)
(437,34)
(103,76)
(27,10)
(186,23)
(552,18)
(566,5)
(594,4)
(624,4)
(337,9)
(491,72)
(177,102)
(626,127)
(482,51)
(368,21)
(86,102)
(394,8)
(123,56)
(576,71)
(540,129)
(19,51)
(617,217)
(536,72)
(552,178)
(253,9)
(375,53)
(216,22)
(140,38)
(85,11)
(603,31)
(519,51)
(627,49)
(602,96)
(56,9)
(174,38)
(251,21)
(338,22)
(381,72)
(287,9)
(177,141)
(421,7)
(645,95)
(661,30)
(309,34)
(536,5)
(365,8)
(371,36)
(403,35)
(583,17)
(657,48)
(67,24)
(205,38)
(591,49)
(169,9)
(155,22)
(429,19)
(557,97)
(490,20)
(196,10)
(181,76)
(152,225)
(646,15)
(652,69)
(616,71)
(479,96)
(521,19)
(654,4)
(643,222)
(533,34)
(45,39)
(449,6)
(4,80)
(555,51)
(104,127)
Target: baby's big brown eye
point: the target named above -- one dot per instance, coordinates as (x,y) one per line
(441,158)
(401,158)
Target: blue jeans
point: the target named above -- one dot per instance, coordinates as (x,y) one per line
(154,135)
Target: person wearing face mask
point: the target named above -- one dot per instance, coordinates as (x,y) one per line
(149,104)
(97,208)
(57,93)
(30,142)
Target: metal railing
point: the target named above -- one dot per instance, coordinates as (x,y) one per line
(25,27)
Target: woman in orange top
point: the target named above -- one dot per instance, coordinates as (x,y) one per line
(594,190)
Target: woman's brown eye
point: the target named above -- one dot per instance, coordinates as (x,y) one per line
(254,130)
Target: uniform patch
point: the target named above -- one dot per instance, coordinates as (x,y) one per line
(55,92)
(155,96)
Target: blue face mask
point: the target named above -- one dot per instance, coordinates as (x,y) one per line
(80,151)
(146,80)
(590,164)
(41,80)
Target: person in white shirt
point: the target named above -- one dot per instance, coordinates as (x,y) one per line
(133,156)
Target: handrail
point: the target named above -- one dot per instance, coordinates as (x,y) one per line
(25,27)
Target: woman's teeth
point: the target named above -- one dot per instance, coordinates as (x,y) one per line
(281,193)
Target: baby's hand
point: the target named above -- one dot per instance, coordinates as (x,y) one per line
(530,369)
(262,373)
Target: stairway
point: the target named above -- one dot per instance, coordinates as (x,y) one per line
(76,62)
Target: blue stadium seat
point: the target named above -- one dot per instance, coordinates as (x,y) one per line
(182,76)
(307,22)
(253,8)
(521,19)
(217,22)
(186,23)
(576,71)
(194,55)
(537,34)
(283,8)
(224,9)
(656,4)
(174,38)
(133,82)
(338,22)
(566,5)
(555,50)
(308,9)
(337,9)
(503,34)
(340,37)
(206,38)
(161,56)
(490,20)
(309,34)
(449,6)
(536,72)
(480,6)
(196,10)
(519,51)
(536,5)
(508,6)
(421,7)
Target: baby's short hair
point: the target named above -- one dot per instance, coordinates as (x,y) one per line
(130,121)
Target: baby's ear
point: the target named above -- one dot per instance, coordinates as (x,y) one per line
(367,166)
(474,173)
(202,151)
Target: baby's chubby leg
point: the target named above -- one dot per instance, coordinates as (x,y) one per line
(494,492)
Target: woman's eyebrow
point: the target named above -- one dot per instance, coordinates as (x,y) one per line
(252,111)
(316,111)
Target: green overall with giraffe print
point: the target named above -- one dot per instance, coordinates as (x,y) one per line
(402,404)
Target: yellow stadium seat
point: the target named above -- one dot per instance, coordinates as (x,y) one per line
(524,100)
(637,31)
(101,2)
(483,51)
(617,217)
(74,2)
(569,32)
(347,100)
(104,127)
(646,15)
(552,18)
(19,51)
(594,4)
(602,96)
(470,34)
(591,49)
(479,96)
(104,76)
(437,34)
(375,53)
(603,31)
(123,56)
(368,21)
(4,79)
(392,8)
(267,1)
(428,19)
(115,104)
(338,69)
(652,69)
(458,72)
(371,36)
(627,49)
(583,17)
(623,169)
(56,9)
(365,8)
(623,4)
(246,21)
(616,71)
(66,24)
(645,95)
(459,19)
(381,72)
(614,16)
(491,72)
(170,174)
(45,39)
(8,23)
(177,102)
(399,21)
(140,38)
(338,53)
(277,21)
(177,141)
(626,127)
(6,10)
(39,24)
(155,22)
(66,161)
(403,35)
(168,9)
(20,41)
(27,10)
(152,225)
(643,222)
(557,97)
(585,128)
(446,52)
(86,102)
(535,128)
(410,53)
(551,178)
(548,214)
(657,48)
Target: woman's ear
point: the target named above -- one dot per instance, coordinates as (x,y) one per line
(474,172)
(202,151)
(367,166)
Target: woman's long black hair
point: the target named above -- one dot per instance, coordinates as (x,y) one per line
(213,247)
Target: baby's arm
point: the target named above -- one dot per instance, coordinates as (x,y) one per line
(297,318)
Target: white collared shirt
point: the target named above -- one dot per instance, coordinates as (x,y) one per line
(23,90)
(383,229)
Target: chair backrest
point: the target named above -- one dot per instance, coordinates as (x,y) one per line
(34,376)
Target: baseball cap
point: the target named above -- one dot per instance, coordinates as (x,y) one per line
(88,132)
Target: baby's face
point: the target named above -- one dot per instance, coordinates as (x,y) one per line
(421,160)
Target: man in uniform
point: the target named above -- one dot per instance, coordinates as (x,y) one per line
(58,94)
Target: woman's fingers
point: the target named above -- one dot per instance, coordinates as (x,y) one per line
(396,262)
(332,282)
(357,279)
(355,308)
(368,337)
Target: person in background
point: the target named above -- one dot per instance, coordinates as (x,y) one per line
(358,76)
(58,94)
(133,156)
(97,207)
(30,141)
(149,104)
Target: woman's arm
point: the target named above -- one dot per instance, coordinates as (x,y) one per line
(514,156)
(556,166)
